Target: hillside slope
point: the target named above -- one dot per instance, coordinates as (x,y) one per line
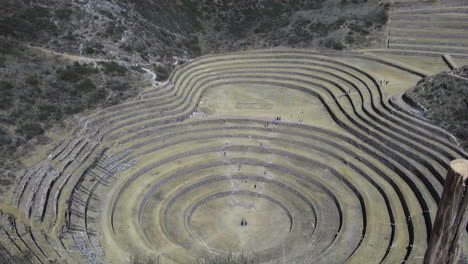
(162,33)
(163,30)
(39,90)
(443,98)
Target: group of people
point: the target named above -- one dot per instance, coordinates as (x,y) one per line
(382,82)
(243,222)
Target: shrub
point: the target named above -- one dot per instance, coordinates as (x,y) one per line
(358,28)
(4,137)
(162,71)
(32,80)
(321,28)
(63,13)
(75,72)
(89,50)
(5,103)
(350,39)
(49,112)
(68,75)
(6,47)
(127,48)
(107,14)
(333,44)
(86,86)
(30,130)
(117,85)
(113,67)
(6,94)
(5,87)
(5,140)
(114,31)
(74,108)
(380,17)
(12,26)
(69,36)
(96,97)
(193,45)
(36,19)
(35,12)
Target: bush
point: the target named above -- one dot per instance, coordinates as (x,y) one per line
(6,95)
(68,75)
(6,47)
(32,80)
(63,13)
(96,97)
(358,28)
(118,86)
(85,86)
(333,44)
(35,12)
(89,50)
(5,87)
(193,45)
(30,130)
(75,72)
(350,39)
(113,67)
(5,103)
(162,71)
(12,26)
(4,137)
(114,31)
(69,36)
(49,112)
(107,14)
(32,20)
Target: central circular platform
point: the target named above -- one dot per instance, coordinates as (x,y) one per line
(220,223)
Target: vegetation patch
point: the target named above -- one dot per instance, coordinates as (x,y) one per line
(63,13)
(75,72)
(39,91)
(443,98)
(113,68)
(162,71)
(166,31)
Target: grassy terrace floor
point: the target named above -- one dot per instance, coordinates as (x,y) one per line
(288,155)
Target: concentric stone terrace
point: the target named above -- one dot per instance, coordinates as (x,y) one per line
(290,156)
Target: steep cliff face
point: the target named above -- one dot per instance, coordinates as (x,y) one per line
(443,98)
(146,30)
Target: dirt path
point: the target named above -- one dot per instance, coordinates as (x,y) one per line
(83,58)
(65,55)
(94,61)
